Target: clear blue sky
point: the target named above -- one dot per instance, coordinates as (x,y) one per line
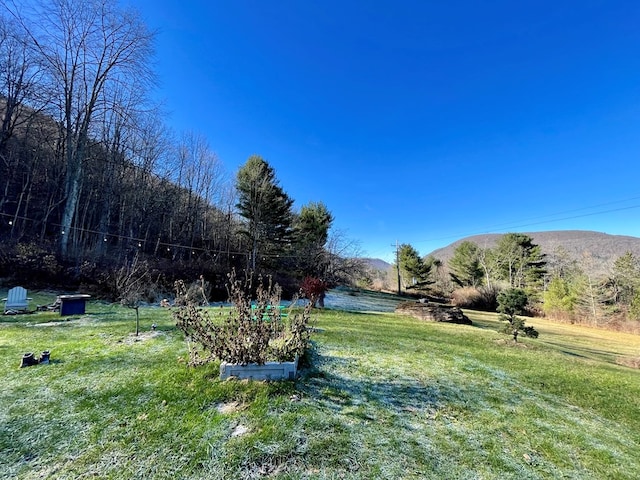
(418,121)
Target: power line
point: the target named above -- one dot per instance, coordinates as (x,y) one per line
(575,210)
(398,265)
(522,225)
(142,241)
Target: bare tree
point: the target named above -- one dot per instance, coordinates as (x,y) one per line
(591,295)
(344,259)
(487,260)
(20,95)
(19,106)
(117,175)
(131,283)
(200,175)
(87,48)
(142,195)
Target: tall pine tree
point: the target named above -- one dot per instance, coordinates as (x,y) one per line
(266,209)
(311,229)
(414,270)
(465,265)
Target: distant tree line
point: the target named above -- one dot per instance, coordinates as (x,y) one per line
(555,285)
(93,178)
(573,292)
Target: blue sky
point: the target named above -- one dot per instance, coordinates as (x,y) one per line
(418,121)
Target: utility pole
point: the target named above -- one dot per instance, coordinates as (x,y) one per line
(398,265)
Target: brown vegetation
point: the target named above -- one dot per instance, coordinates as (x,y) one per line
(433,311)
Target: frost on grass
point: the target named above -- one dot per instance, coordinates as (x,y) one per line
(141,337)
(70,322)
(31,438)
(575,426)
(240,430)
(423,414)
(228,408)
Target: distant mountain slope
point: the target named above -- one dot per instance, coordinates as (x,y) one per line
(377,264)
(604,248)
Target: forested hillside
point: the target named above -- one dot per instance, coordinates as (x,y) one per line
(95,180)
(578,276)
(585,277)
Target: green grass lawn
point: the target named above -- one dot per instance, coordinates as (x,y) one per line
(387,397)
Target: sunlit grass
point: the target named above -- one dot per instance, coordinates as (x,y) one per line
(386,397)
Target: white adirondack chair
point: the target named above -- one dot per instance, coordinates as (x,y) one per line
(16,301)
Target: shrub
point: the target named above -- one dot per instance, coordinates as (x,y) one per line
(314,289)
(32,263)
(489,298)
(559,297)
(483,298)
(634,307)
(466,297)
(196,293)
(248,333)
(511,303)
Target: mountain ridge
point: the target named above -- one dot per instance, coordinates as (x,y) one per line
(604,248)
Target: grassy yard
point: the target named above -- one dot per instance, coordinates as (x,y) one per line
(387,397)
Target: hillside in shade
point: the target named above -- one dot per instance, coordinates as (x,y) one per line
(377,264)
(603,248)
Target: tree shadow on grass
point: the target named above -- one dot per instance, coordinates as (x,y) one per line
(366,398)
(586,353)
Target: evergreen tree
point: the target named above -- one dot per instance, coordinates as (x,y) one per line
(560,297)
(465,265)
(266,209)
(625,279)
(621,290)
(520,261)
(441,282)
(511,303)
(414,271)
(311,228)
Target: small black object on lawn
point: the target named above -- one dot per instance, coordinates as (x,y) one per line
(28,359)
(44,358)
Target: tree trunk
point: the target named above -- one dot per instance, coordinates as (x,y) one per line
(321,300)
(72,194)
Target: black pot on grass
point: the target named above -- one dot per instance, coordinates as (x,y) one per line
(28,359)
(44,358)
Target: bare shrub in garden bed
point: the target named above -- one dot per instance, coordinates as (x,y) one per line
(250,332)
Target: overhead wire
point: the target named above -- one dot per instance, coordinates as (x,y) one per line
(498,228)
(494,229)
(142,241)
